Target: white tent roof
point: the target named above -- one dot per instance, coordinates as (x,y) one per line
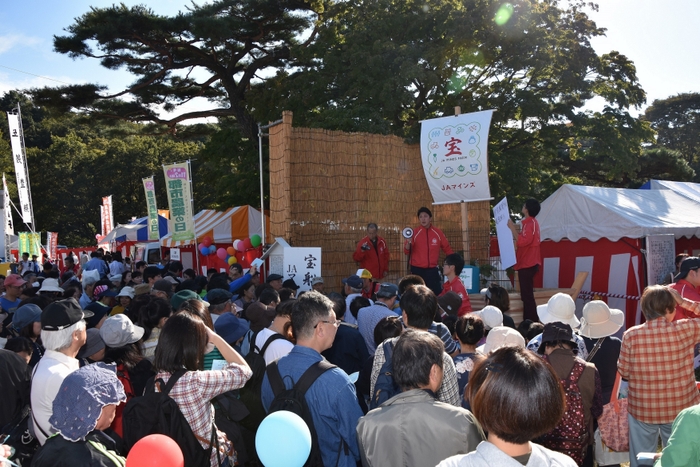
(222,226)
(687,189)
(577,212)
(128,230)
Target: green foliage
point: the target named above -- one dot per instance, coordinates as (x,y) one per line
(677,124)
(215,51)
(72,165)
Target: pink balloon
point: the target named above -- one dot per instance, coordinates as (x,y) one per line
(236,243)
(240,246)
(221,253)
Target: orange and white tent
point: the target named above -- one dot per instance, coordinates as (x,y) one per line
(223,227)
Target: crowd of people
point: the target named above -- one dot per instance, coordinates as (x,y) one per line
(390,373)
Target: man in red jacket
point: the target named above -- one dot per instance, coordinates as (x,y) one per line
(424,250)
(527,255)
(372,253)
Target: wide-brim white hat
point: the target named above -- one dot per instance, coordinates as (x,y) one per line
(502,336)
(560,308)
(599,320)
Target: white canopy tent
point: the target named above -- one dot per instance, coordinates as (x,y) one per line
(577,212)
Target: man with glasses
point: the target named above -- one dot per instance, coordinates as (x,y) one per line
(686,282)
(331,398)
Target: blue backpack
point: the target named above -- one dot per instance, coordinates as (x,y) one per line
(385,388)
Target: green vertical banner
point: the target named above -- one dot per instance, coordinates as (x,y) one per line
(177,184)
(150,190)
(24,245)
(35,244)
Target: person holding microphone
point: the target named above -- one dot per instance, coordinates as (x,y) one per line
(424,248)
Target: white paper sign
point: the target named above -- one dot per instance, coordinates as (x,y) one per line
(501,215)
(302,264)
(175,254)
(454,155)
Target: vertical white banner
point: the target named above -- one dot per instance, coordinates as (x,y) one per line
(8,228)
(454,154)
(18,157)
(501,215)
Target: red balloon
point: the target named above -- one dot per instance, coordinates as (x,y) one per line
(206,241)
(155,451)
(247,243)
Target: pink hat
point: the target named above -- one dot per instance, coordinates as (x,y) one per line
(14,280)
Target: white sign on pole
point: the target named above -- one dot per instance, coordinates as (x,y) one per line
(454,154)
(501,214)
(175,254)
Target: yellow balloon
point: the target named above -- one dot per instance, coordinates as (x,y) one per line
(232,260)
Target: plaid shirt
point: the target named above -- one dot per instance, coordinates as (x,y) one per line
(193,393)
(657,359)
(449,389)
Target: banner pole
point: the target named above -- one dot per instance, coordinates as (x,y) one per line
(465,217)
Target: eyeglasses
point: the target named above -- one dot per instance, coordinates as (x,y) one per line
(335,323)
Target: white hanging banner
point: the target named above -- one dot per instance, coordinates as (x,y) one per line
(454,154)
(16,140)
(9,227)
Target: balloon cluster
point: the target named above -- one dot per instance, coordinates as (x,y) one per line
(206,248)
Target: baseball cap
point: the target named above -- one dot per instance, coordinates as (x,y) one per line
(290,284)
(353,281)
(14,280)
(450,303)
(273,277)
(26,315)
(218,296)
(62,314)
(118,331)
(689,264)
(184,295)
(363,274)
(103,291)
(387,290)
(317,280)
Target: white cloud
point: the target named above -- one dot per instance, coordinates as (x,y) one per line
(8,42)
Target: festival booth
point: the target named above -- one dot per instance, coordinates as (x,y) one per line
(215,235)
(689,190)
(124,236)
(625,239)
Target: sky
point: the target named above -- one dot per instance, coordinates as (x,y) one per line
(661,38)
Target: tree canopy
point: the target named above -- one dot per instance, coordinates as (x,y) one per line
(379,66)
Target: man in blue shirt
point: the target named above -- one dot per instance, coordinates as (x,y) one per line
(331,399)
(367,318)
(96,263)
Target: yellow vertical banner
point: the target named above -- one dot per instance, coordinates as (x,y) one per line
(177,185)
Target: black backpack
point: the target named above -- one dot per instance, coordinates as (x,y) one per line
(385,387)
(294,400)
(157,413)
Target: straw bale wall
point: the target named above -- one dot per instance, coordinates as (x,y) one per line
(326,186)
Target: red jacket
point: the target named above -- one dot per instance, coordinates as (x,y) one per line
(686,290)
(376,259)
(457,286)
(425,247)
(528,253)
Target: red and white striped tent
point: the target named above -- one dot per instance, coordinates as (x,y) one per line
(602,231)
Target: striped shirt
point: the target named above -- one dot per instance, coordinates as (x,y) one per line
(657,359)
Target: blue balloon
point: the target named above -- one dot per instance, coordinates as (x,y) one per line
(212,249)
(204,250)
(283,440)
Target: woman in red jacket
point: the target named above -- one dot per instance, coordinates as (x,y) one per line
(424,250)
